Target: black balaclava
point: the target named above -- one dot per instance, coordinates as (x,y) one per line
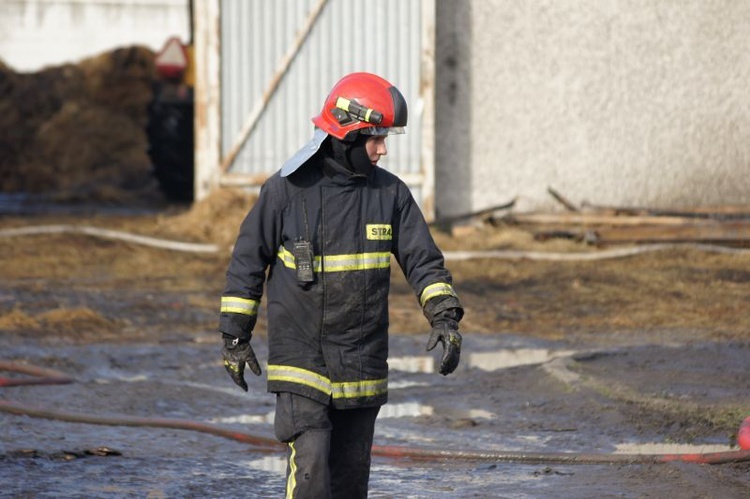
(351,153)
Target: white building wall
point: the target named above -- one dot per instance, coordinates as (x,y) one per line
(39,33)
(615,102)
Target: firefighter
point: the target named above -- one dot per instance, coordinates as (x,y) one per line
(323,230)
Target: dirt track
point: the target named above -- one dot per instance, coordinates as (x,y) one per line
(666,338)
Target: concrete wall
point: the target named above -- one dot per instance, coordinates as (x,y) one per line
(614,102)
(39,33)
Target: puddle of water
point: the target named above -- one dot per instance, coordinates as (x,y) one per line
(388,411)
(406,409)
(507,358)
(416,409)
(412,364)
(273,464)
(121,379)
(659,448)
(405,383)
(486,361)
(246,419)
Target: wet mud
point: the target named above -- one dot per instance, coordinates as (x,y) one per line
(514,406)
(572,357)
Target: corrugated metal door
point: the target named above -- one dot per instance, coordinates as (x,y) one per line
(279,59)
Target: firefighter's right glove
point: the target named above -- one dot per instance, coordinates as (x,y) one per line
(446,332)
(236,354)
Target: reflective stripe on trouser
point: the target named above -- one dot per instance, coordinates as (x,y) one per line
(329,449)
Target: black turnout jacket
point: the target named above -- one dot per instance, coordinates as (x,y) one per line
(328,339)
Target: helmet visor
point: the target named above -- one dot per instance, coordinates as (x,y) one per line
(383,130)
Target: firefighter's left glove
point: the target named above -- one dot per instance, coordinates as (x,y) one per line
(446,332)
(236,354)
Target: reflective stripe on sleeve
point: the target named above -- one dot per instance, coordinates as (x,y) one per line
(343,390)
(237,305)
(437,289)
(340,263)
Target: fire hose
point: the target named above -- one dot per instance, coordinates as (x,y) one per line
(449,255)
(44,376)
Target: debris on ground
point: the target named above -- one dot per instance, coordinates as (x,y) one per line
(614,225)
(604,229)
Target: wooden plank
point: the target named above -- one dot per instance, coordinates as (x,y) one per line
(709,231)
(724,212)
(207,96)
(594,219)
(447,222)
(562,200)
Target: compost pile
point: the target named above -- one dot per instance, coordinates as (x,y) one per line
(76,132)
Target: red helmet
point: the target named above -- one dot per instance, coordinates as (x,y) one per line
(362,102)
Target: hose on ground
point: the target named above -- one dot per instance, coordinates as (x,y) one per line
(590,255)
(111,234)
(449,255)
(50,376)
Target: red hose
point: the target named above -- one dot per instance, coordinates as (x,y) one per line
(743,436)
(559,457)
(178,424)
(41,375)
(49,376)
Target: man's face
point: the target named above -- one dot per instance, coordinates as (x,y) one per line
(375,148)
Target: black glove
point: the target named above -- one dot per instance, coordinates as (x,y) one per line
(236,354)
(446,332)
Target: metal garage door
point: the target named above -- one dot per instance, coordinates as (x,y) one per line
(278,60)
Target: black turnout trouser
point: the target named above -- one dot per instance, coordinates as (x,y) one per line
(329,449)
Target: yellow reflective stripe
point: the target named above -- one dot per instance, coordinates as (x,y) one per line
(287,258)
(301,376)
(357,261)
(341,263)
(291,482)
(239,305)
(437,289)
(339,390)
(355,389)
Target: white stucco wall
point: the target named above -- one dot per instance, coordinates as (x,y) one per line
(39,33)
(614,102)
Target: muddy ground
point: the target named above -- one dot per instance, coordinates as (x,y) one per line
(636,354)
